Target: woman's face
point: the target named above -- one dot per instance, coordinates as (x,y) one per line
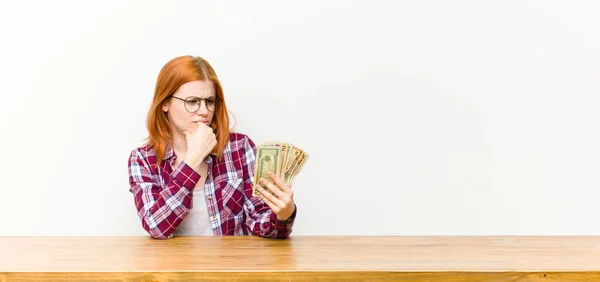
(192,103)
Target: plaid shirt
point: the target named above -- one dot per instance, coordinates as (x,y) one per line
(163,197)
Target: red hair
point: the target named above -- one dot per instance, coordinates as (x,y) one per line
(175,73)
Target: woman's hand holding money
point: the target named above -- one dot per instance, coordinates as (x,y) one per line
(280,198)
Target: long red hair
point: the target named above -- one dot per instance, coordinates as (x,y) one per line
(175,73)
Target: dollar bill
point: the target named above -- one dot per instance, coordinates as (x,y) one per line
(282,158)
(286,150)
(299,158)
(268,159)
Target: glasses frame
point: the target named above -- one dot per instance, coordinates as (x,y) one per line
(185,101)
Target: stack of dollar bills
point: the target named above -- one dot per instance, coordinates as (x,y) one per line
(282,159)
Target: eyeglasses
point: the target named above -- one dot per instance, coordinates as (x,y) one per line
(193,103)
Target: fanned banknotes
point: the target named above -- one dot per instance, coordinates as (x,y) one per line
(283,159)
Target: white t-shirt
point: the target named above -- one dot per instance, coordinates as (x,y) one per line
(196,223)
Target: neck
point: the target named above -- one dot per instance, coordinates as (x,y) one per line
(179,144)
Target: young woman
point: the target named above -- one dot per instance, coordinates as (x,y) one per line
(193,176)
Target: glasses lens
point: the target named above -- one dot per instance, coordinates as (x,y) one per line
(192,104)
(210,104)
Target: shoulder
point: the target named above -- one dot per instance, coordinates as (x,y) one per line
(240,141)
(242,148)
(143,153)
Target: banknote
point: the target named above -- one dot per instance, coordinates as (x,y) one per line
(295,165)
(268,158)
(284,159)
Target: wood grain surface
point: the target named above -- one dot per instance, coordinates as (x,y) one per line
(433,258)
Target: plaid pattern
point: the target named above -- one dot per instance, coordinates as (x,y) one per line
(163,196)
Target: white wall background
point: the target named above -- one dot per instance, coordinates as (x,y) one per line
(421,117)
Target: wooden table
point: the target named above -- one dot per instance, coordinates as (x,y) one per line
(300,258)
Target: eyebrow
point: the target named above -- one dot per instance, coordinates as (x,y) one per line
(209,97)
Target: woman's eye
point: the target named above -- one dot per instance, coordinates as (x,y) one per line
(193,101)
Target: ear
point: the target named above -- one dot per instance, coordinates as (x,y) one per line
(165,107)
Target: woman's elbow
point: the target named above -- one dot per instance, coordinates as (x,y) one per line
(160,235)
(156,233)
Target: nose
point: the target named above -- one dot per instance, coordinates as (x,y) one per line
(203,108)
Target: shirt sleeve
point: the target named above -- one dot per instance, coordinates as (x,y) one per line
(260,219)
(161,209)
